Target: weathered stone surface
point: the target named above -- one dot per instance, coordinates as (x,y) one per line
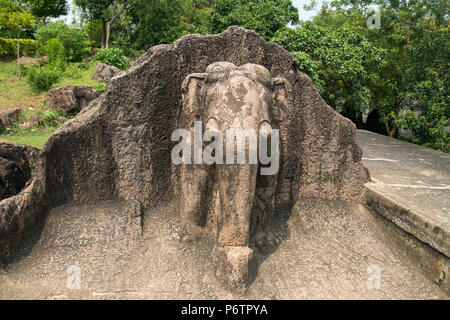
(119,147)
(15,168)
(8,117)
(410,187)
(16,164)
(104,72)
(233,264)
(330,247)
(70,98)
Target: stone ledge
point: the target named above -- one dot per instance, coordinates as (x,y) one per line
(409,220)
(410,187)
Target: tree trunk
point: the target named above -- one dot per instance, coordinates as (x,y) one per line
(359,121)
(103,34)
(392,132)
(110,22)
(108,34)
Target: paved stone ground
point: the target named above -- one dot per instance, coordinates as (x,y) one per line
(416,180)
(327,251)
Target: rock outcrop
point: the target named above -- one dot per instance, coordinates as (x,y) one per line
(70,98)
(8,117)
(104,72)
(16,163)
(120,147)
(32,61)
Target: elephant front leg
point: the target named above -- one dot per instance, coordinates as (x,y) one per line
(237,185)
(195,187)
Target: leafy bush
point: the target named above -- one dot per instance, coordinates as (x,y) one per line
(100,87)
(310,67)
(56,53)
(75,41)
(50,118)
(427,112)
(132,53)
(265,17)
(343,65)
(41,79)
(9,47)
(73,70)
(112,57)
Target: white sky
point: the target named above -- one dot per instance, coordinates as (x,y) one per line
(302,13)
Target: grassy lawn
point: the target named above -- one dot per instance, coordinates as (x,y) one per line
(35,138)
(16,93)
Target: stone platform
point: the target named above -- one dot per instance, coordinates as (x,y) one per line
(411,188)
(330,252)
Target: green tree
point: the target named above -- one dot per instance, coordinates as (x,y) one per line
(163,21)
(14,16)
(263,16)
(48,8)
(343,65)
(75,41)
(413,89)
(108,11)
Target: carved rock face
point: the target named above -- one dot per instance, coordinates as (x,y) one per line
(236,97)
(120,147)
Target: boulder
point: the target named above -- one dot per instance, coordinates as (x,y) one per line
(32,61)
(8,117)
(16,162)
(104,72)
(70,98)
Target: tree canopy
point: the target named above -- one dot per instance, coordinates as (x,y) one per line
(48,8)
(263,16)
(412,90)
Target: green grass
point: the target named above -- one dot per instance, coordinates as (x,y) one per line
(34,139)
(15,92)
(82,78)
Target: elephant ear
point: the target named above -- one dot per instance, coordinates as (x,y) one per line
(190,91)
(281,98)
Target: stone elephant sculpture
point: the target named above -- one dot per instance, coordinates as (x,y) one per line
(224,98)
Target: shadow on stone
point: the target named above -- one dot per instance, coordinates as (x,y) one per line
(274,238)
(14,251)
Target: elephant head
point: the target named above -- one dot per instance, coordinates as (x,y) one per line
(235,96)
(230,97)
